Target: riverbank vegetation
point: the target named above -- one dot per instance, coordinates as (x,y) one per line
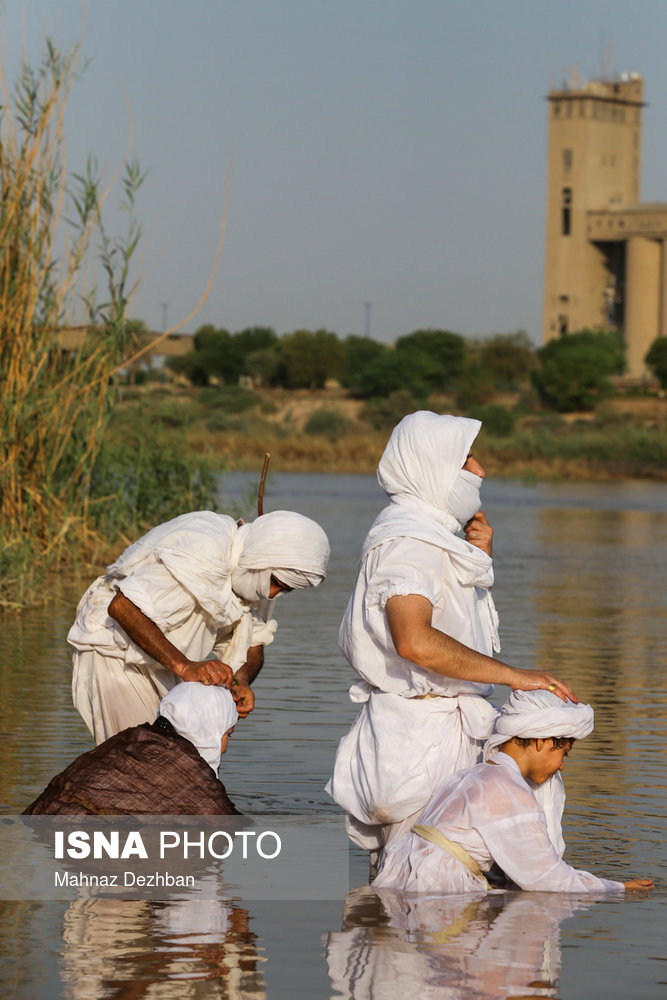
(322,403)
(66,487)
(329,430)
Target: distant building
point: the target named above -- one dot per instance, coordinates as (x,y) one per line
(606,253)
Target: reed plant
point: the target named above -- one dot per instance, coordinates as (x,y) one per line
(57,486)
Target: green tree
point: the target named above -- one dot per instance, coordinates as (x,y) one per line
(357,353)
(211,357)
(508,358)
(253,338)
(311,358)
(656,360)
(445,350)
(391,371)
(574,370)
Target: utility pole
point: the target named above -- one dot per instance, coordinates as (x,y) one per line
(367,318)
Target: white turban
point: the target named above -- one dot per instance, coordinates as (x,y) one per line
(540,715)
(289,546)
(202,714)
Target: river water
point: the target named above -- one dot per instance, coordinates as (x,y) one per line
(580,591)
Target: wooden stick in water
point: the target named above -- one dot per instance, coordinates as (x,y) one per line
(260,495)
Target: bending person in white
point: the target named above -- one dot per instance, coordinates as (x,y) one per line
(420,629)
(189,601)
(489,813)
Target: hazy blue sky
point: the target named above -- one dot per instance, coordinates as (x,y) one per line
(385,151)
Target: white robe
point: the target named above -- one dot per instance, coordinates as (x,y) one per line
(179,576)
(417,727)
(492,813)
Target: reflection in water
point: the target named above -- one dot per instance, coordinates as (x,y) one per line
(487,946)
(177,948)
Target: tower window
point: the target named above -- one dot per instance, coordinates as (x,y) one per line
(566,211)
(567,160)
(562,325)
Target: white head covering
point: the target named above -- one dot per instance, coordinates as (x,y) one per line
(539,715)
(202,714)
(289,546)
(421,471)
(423,459)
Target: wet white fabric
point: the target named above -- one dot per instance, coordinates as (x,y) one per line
(540,714)
(202,714)
(402,745)
(492,813)
(180,576)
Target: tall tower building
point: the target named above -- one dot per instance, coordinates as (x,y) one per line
(606,254)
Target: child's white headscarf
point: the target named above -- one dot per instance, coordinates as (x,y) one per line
(202,714)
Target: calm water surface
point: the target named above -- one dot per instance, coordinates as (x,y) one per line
(580,589)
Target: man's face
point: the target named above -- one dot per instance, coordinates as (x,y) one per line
(276,587)
(472,465)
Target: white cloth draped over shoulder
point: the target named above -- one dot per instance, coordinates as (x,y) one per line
(181,575)
(201,714)
(417,727)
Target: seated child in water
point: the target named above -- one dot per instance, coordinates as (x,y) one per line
(503,813)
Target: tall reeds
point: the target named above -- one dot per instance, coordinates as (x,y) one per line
(53,405)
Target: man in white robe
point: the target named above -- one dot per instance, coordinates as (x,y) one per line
(489,814)
(420,630)
(188,601)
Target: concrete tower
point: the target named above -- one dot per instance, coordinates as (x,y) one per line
(606,260)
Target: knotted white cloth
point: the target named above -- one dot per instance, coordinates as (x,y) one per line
(540,715)
(202,714)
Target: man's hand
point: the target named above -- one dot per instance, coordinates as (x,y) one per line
(479,532)
(541,680)
(206,672)
(243,696)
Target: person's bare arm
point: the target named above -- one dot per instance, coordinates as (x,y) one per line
(415,638)
(153,641)
(243,678)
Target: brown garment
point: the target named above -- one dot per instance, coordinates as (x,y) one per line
(140,771)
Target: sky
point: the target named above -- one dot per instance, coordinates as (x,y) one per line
(377,151)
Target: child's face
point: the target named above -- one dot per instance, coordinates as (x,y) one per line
(546,759)
(224,742)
